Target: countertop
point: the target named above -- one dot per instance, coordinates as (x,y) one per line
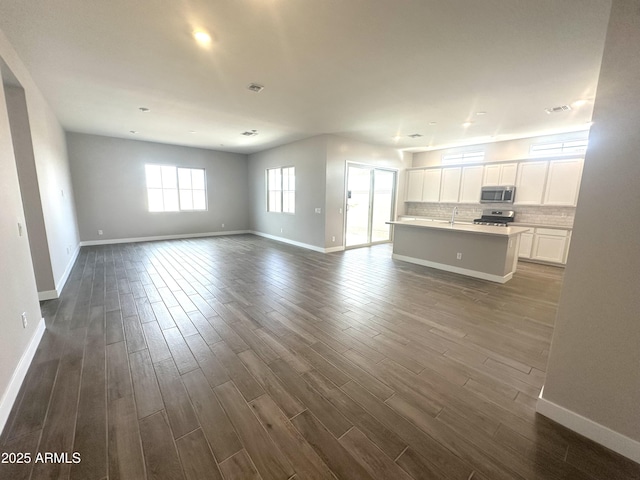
(463,227)
(466,221)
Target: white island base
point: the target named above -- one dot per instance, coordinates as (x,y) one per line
(480,251)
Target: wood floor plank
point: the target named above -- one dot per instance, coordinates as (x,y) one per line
(196,458)
(181,415)
(303,458)
(239,467)
(204,328)
(24,445)
(213,420)
(156,342)
(370,457)
(321,408)
(145,384)
(270,383)
(268,459)
(245,382)
(125,451)
(343,465)
(161,457)
(133,334)
(209,364)
(180,352)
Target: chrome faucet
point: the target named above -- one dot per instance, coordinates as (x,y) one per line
(453,215)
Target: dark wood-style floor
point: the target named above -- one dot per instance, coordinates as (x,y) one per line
(242,358)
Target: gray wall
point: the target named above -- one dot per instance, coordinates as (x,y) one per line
(109,181)
(594,364)
(29,186)
(17,279)
(309,157)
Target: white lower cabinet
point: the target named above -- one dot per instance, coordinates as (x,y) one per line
(526,242)
(545,244)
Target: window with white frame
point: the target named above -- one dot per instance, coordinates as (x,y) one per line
(464,157)
(281,189)
(175,189)
(558,148)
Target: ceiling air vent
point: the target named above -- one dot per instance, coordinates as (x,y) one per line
(254,87)
(415,135)
(251,133)
(560,109)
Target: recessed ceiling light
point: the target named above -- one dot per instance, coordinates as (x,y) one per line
(432,123)
(481,113)
(202,37)
(467,124)
(144,109)
(579,103)
(255,87)
(133,131)
(397,137)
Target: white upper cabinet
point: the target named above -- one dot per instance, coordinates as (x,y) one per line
(450,186)
(563,182)
(415,179)
(530,183)
(431,185)
(500,174)
(471,184)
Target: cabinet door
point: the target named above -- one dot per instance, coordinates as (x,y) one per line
(431,185)
(508,173)
(450,186)
(563,182)
(415,179)
(549,248)
(526,242)
(491,175)
(471,184)
(530,183)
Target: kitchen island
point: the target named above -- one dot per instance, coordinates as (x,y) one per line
(480,251)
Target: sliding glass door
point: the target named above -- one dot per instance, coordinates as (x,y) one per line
(370,202)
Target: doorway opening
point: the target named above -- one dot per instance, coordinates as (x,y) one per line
(371,193)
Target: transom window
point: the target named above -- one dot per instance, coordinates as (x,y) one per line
(281,189)
(175,189)
(558,148)
(464,157)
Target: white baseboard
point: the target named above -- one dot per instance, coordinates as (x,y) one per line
(19,374)
(48,295)
(611,439)
(451,268)
(298,244)
(161,237)
(51,294)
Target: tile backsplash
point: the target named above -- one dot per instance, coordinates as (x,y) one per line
(534,214)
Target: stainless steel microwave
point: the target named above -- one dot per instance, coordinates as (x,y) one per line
(498,194)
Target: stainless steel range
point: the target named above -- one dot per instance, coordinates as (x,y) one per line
(498,218)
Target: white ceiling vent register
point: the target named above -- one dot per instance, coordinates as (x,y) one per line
(251,133)
(415,135)
(560,109)
(254,87)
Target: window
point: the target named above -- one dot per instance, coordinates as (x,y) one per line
(281,190)
(558,148)
(174,189)
(466,157)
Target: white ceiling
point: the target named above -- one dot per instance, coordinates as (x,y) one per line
(364,69)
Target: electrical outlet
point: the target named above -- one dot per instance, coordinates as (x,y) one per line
(99,232)
(223,225)
(459,256)
(340,210)
(24,319)
(282,230)
(333,239)
(19,229)
(318,210)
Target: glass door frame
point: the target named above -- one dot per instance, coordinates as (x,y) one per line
(372,169)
